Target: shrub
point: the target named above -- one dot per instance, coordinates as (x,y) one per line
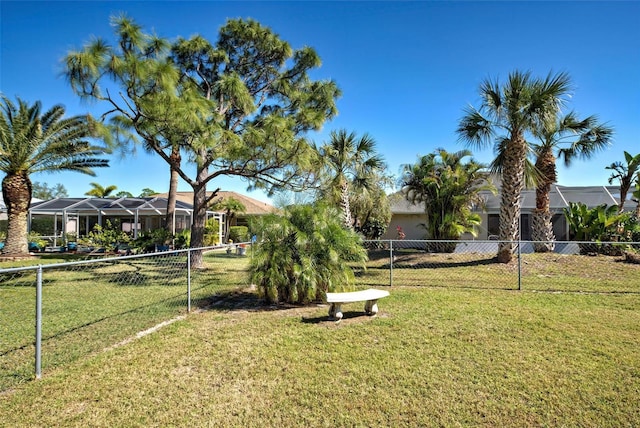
(304,254)
(239,233)
(36,243)
(211,232)
(602,225)
(150,240)
(183,239)
(373,229)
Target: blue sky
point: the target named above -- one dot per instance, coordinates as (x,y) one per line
(406,69)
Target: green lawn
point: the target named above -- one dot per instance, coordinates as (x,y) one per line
(89,307)
(434,356)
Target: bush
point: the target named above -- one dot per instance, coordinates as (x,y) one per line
(183,239)
(374,229)
(211,232)
(239,233)
(36,243)
(150,240)
(107,236)
(304,254)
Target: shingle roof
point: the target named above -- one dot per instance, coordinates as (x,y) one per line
(252,206)
(559,198)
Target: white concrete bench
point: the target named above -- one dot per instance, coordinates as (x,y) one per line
(369,296)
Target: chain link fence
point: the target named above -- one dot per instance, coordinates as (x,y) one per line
(570,267)
(54,313)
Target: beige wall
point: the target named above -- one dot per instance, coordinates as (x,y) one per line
(409,224)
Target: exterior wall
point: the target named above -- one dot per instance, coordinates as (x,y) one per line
(410,224)
(488,228)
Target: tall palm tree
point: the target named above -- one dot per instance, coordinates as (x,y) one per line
(449,188)
(99,191)
(624,174)
(567,138)
(506,115)
(31,142)
(348,159)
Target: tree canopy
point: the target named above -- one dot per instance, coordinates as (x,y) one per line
(508,114)
(449,189)
(241,106)
(32,141)
(348,163)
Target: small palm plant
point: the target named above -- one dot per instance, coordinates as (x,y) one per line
(304,254)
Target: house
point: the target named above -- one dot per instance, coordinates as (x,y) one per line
(253,206)
(80,215)
(409,216)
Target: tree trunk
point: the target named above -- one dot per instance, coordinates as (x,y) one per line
(542,231)
(625,185)
(542,228)
(16,192)
(199,215)
(197,227)
(345,206)
(174,165)
(512,185)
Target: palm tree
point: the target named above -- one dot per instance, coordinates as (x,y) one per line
(624,174)
(449,189)
(567,138)
(31,142)
(348,159)
(98,191)
(507,113)
(304,254)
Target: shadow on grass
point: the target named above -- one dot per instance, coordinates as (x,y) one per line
(404,262)
(346,316)
(241,299)
(247,300)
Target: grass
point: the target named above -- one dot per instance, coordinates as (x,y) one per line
(436,355)
(541,272)
(89,307)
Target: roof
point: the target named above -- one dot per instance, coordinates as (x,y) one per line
(252,206)
(153,205)
(559,198)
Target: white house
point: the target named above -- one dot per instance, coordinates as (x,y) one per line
(409,216)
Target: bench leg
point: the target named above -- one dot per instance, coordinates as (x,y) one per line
(371,307)
(335,311)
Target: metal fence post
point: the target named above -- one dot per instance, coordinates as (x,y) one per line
(390,263)
(39,322)
(189,280)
